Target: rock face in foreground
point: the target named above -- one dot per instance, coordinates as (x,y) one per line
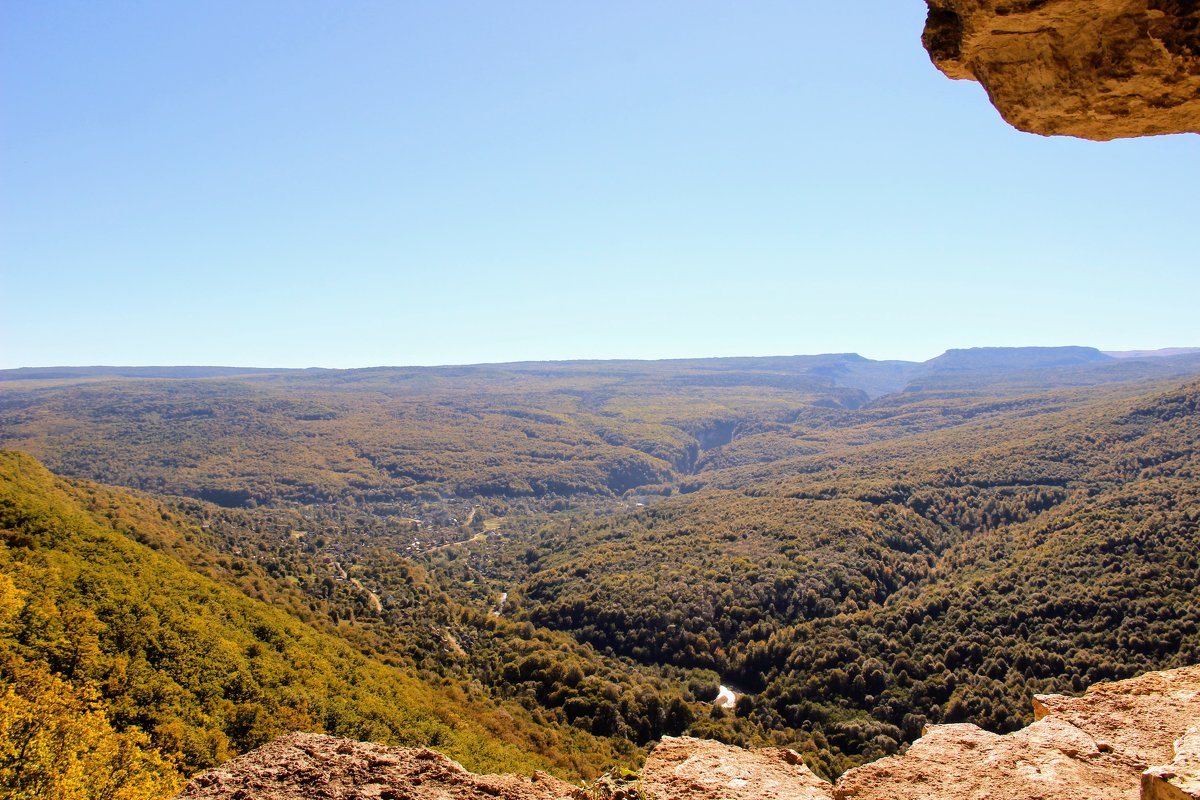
(308,766)
(1096,746)
(1121,741)
(1179,780)
(1096,69)
(695,768)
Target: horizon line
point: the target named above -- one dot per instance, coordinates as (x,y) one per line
(1160,352)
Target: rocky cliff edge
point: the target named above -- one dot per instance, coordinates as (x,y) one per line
(1132,739)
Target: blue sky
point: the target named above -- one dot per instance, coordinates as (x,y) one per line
(365,183)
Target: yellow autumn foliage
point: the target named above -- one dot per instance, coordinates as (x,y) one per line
(56,744)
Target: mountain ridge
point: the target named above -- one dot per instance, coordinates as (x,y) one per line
(191,371)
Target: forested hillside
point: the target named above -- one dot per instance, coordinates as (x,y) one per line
(569,558)
(118,660)
(410,435)
(539,432)
(944,576)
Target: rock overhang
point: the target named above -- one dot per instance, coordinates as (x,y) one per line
(1093,69)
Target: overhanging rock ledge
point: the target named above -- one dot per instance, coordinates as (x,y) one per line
(1094,69)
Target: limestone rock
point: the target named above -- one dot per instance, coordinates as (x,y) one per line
(1139,718)
(1095,746)
(1050,759)
(1096,69)
(308,766)
(1101,746)
(684,768)
(1179,780)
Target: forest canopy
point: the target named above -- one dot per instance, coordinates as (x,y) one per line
(555,565)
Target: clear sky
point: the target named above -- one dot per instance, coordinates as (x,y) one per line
(362,183)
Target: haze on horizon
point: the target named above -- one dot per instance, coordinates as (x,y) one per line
(363,185)
(37,371)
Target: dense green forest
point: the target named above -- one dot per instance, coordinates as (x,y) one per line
(108,632)
(865,599)
(544,432)
(567,559)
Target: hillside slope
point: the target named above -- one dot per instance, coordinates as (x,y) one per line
(101,628)
(1097,746)
(1011,522)
(539,434)
(943,576)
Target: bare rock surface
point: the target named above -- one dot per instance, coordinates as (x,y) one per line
(1096,69)
(685,768)
(1139,719)
(315,767)
(1049,759)
(1179,780)
(1119,741)
(1095,746)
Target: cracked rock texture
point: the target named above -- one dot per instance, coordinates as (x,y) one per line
(308,766)
(1096,69)
(1179,780)
(682,768)
(1096,746)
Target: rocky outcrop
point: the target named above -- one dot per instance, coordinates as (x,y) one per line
(1140,718)
(1046,760)
(308,766)
(1101,746)
(1179,780)
(1096,69)
(683,769)
(1095,746)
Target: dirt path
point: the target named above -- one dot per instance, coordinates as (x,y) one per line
(476,538)
(375,603)
(453,644)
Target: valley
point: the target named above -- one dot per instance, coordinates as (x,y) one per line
(588,555)
(568,558)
